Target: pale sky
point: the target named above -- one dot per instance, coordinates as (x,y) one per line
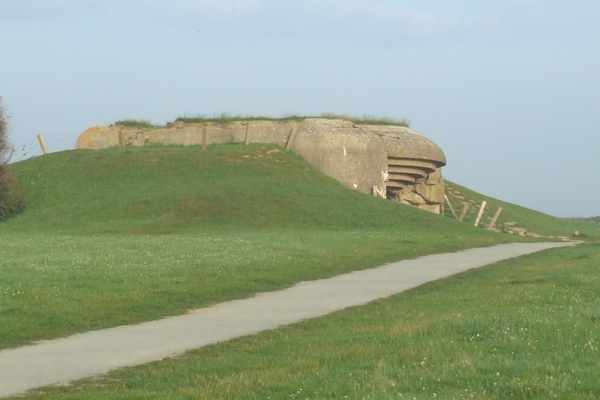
(509,89)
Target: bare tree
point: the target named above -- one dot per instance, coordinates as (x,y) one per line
(9,203)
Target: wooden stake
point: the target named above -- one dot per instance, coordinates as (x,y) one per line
(451,208)
(480,213)
(121,144)
(464,212)
(495,219)
(379,192)
(248,132)
(204,139)
(290,142)
(42,144)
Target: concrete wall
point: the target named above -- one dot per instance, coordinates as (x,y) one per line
(188,134)
(396,160)
(342,150)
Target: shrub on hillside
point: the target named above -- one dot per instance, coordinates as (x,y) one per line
(10,203)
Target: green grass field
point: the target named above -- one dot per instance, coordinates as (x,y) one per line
(113,238)
(523,328)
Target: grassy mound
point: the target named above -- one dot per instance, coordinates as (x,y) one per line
(182,189)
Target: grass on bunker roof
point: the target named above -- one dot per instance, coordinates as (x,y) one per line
(226,118)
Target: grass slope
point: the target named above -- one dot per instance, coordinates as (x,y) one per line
(181,189)
(534,221)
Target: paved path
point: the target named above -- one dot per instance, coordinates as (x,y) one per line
(98,352)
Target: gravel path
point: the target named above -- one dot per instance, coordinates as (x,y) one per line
(98,352)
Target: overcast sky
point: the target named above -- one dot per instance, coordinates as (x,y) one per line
(509,89)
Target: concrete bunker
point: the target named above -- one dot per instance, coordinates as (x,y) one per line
(394,162)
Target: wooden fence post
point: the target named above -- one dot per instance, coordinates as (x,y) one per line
(451,208)
(248,132)
(290,142)
(42,144)
(121,144)
(495,219)
(379,192)
(464,212)
(204,138)
(480,213)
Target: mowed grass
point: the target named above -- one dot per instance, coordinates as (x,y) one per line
(113,238)
(54,285)
(522,328)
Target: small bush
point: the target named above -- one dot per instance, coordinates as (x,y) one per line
(368,120)
(6,150)
(135,123)
(10,203)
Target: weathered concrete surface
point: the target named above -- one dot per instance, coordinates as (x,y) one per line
(98,352)
(394,159)
(275,132)
(362,157)
(98,137)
